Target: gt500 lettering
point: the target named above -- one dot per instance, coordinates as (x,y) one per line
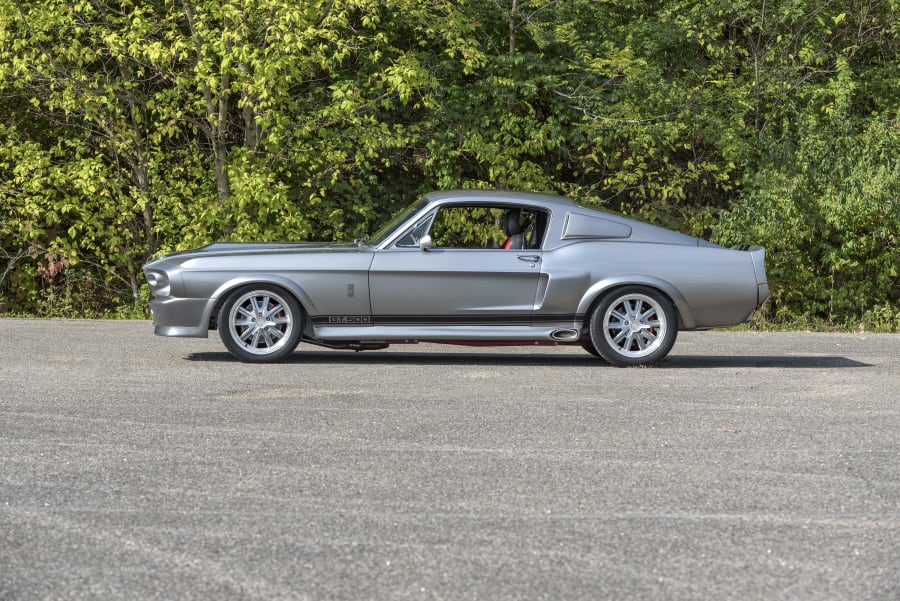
(349,319)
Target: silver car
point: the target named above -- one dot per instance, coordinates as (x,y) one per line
(465,267)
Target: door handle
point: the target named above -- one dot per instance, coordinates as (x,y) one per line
(529,258)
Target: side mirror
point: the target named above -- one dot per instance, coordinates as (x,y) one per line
(425,243)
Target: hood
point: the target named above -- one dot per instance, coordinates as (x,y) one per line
(243,248)
(235,249)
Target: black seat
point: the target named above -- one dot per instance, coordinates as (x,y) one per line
(513,227)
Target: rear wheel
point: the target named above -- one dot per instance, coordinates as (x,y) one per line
(634,325)
(260,323)
(589,347)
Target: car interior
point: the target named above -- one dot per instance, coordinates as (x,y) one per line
(488,228)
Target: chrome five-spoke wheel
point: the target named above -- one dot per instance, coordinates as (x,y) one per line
(260,323)
(633,326)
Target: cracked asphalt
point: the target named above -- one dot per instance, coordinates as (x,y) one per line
(748,466)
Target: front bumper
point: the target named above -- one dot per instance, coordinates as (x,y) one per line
(185,317)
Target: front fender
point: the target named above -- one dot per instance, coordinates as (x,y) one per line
(598,289)
(261,278)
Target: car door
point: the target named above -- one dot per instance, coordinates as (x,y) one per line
(464,278)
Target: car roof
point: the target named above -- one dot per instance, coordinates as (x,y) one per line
(503,196)
(640,230)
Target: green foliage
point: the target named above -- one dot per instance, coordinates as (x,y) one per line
(468,227)
(133,128)
(828,212)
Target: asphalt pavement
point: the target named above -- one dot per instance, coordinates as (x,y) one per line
(748,466)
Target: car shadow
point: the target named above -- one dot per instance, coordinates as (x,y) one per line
(543,359)
(792,362)
(411,358)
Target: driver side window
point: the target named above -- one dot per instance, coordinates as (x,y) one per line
(468,227)
(480,227)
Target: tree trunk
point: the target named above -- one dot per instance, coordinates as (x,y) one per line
(512,27)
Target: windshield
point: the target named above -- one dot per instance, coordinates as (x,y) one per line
(387,229)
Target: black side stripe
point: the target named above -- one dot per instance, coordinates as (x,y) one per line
(444,320)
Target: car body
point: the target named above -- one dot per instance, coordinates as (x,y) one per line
(464,267)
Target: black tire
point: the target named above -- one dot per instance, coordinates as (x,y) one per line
(589,347)
(260,323)
(634,325)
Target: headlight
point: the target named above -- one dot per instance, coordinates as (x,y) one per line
(158,281)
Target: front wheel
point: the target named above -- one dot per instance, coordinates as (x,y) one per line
(633,326)
(260,323)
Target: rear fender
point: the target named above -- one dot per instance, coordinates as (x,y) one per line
(758,257)
(758,254)
(597,290)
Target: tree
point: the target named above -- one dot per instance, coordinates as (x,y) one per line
(173,123)
(130,128)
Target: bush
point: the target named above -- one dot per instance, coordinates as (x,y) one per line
(828,213)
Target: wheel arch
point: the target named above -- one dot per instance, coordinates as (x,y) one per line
(289,286)
(597,291)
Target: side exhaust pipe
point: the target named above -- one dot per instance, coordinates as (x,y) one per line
(568,335)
